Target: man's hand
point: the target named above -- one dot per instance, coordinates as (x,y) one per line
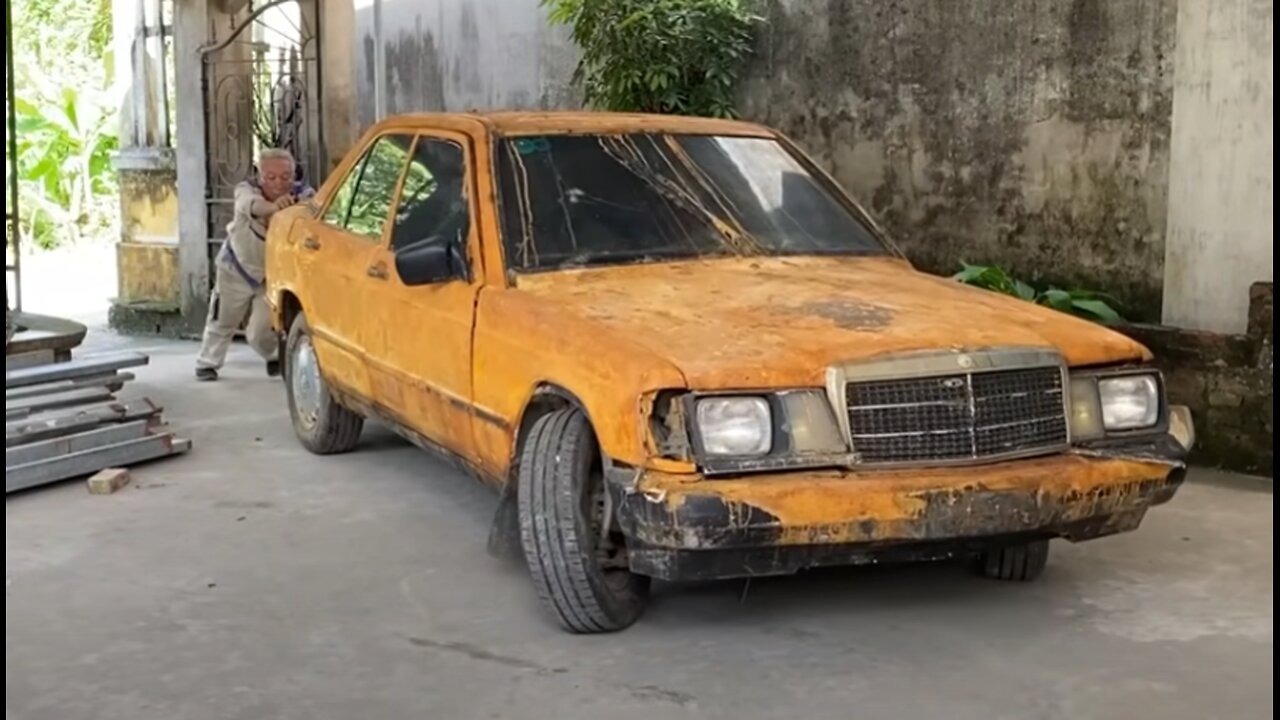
(284,201)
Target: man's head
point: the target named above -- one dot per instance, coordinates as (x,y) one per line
(275,173)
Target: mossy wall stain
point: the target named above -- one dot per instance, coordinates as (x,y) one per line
(1030,134)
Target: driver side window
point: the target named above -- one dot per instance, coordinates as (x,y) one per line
(433,201)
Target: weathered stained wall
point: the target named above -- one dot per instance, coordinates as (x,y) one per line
(1226,380)
(459,55)
(1221,186)
(147,253)
(1027,133)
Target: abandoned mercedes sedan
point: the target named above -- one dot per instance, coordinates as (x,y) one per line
(680,351)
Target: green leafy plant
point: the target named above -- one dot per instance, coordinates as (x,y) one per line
(65,119)
(1088,304)
(665,56)
(64,165)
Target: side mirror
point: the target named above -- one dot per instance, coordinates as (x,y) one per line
(429,261)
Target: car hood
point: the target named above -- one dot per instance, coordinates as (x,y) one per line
(775,322)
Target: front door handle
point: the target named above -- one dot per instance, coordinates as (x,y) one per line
(378,271)
(311,243)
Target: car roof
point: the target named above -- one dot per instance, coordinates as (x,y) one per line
(569,122)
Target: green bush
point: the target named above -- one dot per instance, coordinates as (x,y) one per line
(664,56)
(1088,304)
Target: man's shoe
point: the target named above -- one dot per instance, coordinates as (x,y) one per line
(206,374)
(273,368)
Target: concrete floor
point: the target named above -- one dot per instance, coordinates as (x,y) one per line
(249,579)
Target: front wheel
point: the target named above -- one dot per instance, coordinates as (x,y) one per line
(579,570)
(323,426)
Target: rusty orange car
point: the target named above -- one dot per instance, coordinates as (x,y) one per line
(679,350)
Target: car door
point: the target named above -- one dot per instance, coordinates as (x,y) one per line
(420,360)
(341,241)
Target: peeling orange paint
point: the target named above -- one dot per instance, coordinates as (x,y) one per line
(459,361)
(891,505)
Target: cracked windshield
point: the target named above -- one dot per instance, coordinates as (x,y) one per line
(574,200)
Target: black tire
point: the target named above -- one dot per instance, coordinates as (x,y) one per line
(334,429)
(560,483)
(1019,563)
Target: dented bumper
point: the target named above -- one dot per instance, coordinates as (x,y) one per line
(687,527)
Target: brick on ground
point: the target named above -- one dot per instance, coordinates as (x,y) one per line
(105,482)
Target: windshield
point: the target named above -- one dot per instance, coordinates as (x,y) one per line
(578,200)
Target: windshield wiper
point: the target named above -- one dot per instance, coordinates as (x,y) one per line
(613,257)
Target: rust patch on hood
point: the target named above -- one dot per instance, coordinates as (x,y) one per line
(849,314)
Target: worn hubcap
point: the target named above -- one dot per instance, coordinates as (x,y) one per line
(304,377)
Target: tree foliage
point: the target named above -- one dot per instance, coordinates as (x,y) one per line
(665,56)
(66,119)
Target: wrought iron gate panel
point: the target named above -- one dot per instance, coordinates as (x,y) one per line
(261,89)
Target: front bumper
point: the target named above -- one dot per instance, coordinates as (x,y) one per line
(689,527)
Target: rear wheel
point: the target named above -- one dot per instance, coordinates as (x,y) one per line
(579,570)
(1022,563)
(323,426)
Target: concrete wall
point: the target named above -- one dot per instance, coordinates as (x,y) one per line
(1026,133)
(1226,380)
(1034,134)
(423,55)
(1220,189)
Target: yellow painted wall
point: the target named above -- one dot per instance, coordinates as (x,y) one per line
(147,255)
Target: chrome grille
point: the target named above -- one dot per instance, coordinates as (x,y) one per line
(959,416)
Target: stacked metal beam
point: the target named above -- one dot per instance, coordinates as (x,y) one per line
(63,420)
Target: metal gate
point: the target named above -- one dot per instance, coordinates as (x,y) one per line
(261,87)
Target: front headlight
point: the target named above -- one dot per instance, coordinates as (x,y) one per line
(1129,402)
(735,426)
(1102,403)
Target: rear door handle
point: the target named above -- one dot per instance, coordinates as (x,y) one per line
(310,243)
(377,270)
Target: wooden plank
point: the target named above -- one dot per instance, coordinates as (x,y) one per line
(84,367)
(43,472)
(80,396)
(56,425)
(111,381)
(45,449)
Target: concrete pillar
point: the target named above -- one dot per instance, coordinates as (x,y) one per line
(191,23)
(147,251)
(337,93)
(1220,227)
